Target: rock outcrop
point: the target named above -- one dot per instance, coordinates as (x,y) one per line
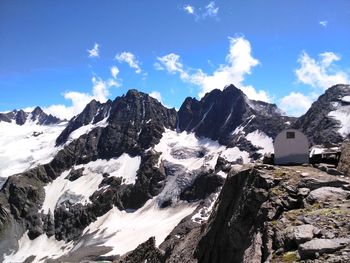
(344,162)
(317,123)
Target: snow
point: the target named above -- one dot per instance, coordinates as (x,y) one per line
(222,174)
(81,189)
(21,150)
(41,247)
(203,118)
(260,139)
(86,129)
(203,214)
(125,231)
(342,114)
(60,189)
(230,154)
(194,153)
(185,156)
(240,128)
(346,99)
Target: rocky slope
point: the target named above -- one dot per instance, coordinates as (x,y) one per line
(265,214)
(37,116)
(327,121)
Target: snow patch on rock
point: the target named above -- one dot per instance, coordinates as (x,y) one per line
(79,190)
(261,140)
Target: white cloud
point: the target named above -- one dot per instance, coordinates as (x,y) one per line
(95,51)
(239,63)
(100,92)
(156,95)
(295,104)
(211,10)
(323,23)
(189,9)
(320,73)
(114,71)
(130,59)
(172,64)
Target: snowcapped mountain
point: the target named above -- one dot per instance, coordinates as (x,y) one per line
(328,119)
(124,171)
(27,139)
(37,116)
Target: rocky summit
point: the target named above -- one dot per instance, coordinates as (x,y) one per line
(37,116)
(130,180)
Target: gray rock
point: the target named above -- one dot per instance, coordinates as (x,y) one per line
(334,171)
(309,249)
(303,233)
(303,191)
(344,162)
(327,193)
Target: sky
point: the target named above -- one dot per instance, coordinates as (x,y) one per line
(62,54)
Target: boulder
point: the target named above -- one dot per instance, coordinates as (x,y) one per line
(326,194)
(310,249)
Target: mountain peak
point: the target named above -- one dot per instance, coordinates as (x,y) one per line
(37,110)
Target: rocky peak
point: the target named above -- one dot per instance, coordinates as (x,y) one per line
(219,113)
(322,123)
(140,108)
(37,116)
(215,115)
(40,117)
(93,113)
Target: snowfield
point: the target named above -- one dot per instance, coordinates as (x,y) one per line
(125,231)
(26,146)
(41,247)
(81,189)
(342,114)
(119,230)
(193,153)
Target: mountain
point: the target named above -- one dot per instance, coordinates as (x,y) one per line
(328,119)
(100,186)
(37,116)
(231,118)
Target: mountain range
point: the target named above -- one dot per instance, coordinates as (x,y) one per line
(131,173)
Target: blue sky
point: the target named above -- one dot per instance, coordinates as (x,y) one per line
(59,54)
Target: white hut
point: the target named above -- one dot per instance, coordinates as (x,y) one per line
(291,147)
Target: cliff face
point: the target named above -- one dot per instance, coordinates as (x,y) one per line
(268,213)
(275,214)
(344,162)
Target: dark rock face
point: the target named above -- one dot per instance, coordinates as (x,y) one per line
(238,219)
(37,115)
(219,113)
(202,187)
(93,113)
(316,124)
(344,162)
(146,252)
